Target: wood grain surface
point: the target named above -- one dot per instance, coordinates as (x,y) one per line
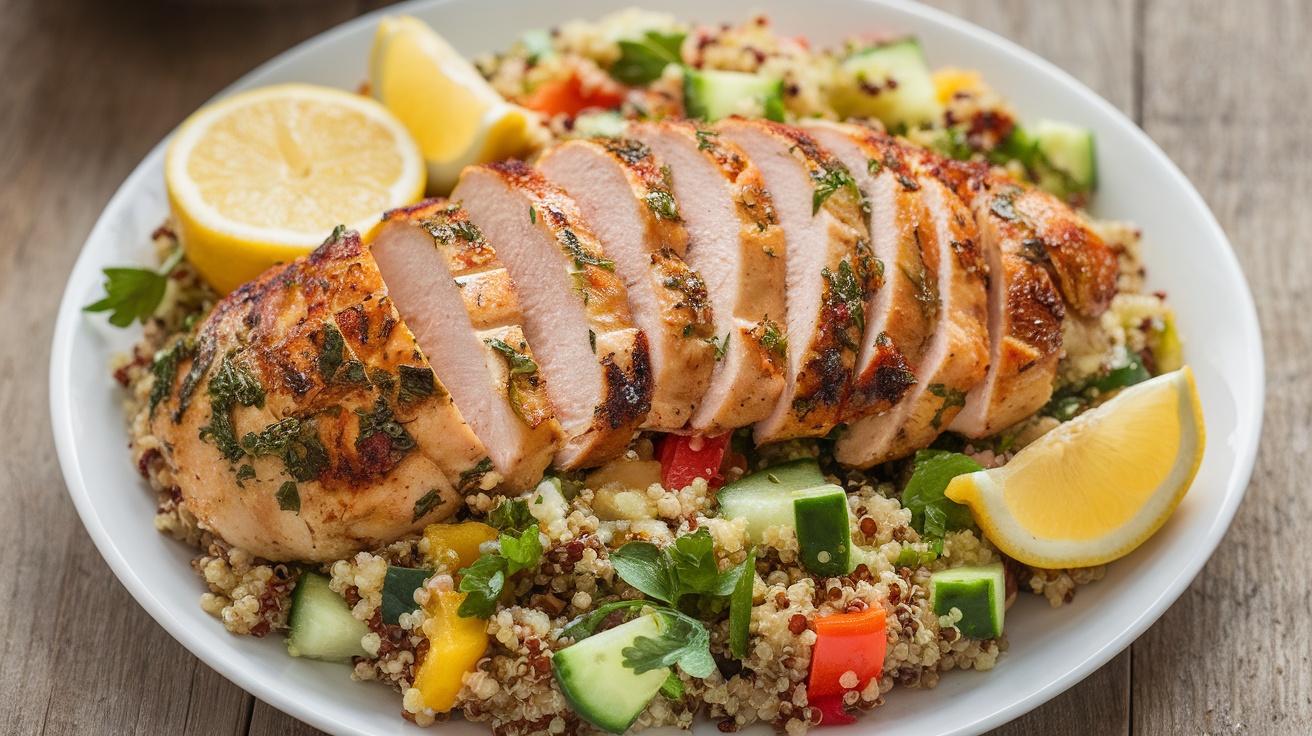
(87,87)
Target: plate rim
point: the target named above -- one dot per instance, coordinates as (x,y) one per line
(1236,485)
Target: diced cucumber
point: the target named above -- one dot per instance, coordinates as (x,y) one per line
(979,593)
(399,588)
(1068,162)
(596,683)
(891,82)
(795,494)
(321,623)
(607,124)
(824,531)
(711,95)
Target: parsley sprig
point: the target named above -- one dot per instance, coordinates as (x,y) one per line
(686,576)
(135,293)
(485,580)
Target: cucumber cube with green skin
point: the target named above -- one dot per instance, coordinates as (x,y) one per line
(795,494)
(711,95)
(891,82)
(979,593)
(321,625)
(596,683)
(1067,158)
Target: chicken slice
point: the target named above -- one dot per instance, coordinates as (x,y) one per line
(456,297)
(287,441)
(897,323)
(737,246)
(829,271)
(576,314)
(955,297)
(624,193)
(1025,309)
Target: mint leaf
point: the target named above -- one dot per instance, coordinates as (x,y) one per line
(134,293)
(643,60)
(522,552)
(932,513)
(483,581)
(740,606)
(647,568)
(511,516)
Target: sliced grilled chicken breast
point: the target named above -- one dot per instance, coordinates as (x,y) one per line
(1025,308)
(575,308)
(898,324)
(287,441)
(829,271)
(956,356)
(736,244)
(625,195)
(456,297)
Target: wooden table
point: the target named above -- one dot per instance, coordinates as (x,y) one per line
(88,87)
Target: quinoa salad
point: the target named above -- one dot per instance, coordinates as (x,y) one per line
(665,573)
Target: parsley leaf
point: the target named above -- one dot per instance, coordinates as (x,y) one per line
(399,586)
(486,578)
(932,513)
(289,499)
(830,182)
(683,641)
(687,567)
(517,362)
(511,516)
(646,567)
(483,582)
(522,552)
(643,60)
(135,293)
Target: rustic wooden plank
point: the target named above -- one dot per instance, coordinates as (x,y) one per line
(1227,94)
(88,88)
(269,721)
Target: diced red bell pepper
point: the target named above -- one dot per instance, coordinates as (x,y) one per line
(845,642)
(686,458)
(566,95)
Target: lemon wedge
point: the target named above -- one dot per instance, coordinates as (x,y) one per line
(1096,487)
(454,114)
(264,176)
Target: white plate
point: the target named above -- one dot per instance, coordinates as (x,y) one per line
(1187,255)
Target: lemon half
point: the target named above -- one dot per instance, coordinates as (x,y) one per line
(455,115)
(1096,487)
(264,176)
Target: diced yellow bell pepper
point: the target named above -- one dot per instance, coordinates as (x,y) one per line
(948,82)
(455,546)
(455,645)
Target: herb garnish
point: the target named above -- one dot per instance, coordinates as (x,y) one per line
(831,181)
(773,339)
(580,255)
(643,60)
(289,499)
(511,515)
(704,142)
(230,385)
(932,513)
(165,369)
(486,578)
(427,503)
(135,293)
(662,203)
(416,383)
(1003,206)
(951,397)
(295,442)
(518,362)
(333,352)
